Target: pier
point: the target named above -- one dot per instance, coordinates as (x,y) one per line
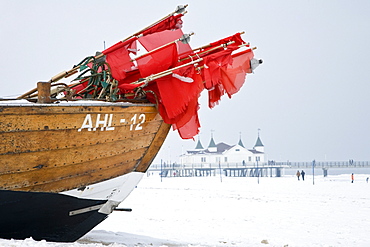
(228,170)
(266,171)
(263,169)
(187,172)
(325,164)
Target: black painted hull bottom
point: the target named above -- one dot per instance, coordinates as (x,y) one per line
(46,216)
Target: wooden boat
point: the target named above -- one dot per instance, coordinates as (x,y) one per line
(70,154)
(59,177)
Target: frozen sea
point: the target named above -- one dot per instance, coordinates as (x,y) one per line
(236,211)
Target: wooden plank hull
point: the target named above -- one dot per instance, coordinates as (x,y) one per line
(65,167)
(55,148)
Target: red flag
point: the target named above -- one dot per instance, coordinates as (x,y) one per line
(131,76)
(214,95)
(157,61)
(125,85)
(186,123)
(118,55)
(128,88)
(212,65)
(176,91)
(170,23)
(177,96)
(191,127)
(236,38)
(155,40)
(233,76)
(118,58)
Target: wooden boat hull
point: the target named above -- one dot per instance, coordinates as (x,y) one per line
(86,156)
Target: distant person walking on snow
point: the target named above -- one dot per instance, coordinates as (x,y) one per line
(352,178)
(302,174)
(367,179)
(298,174)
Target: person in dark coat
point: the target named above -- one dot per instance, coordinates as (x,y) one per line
(302,174)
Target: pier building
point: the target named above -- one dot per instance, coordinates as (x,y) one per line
(224,154)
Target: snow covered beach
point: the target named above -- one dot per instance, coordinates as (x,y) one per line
(210,211)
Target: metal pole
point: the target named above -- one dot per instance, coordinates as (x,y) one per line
(313,172)
(161,171)
(258,173)
(219,165)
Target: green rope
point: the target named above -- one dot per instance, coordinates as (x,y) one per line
(99,84)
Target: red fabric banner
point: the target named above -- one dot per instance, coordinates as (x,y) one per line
(177,97)
(131,76)
(118,55)
(128,44)
(155,40)
(211,48)
(157,61)
(233,77)
(212,74)
(214,95)
(170,23)
(191,127)
(176,93)
(214,63)
(118,58)
(236,38)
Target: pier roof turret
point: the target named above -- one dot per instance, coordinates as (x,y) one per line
(212,143)
(240,143)
(258,142)
(199,145)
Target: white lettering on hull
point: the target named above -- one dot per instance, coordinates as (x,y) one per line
(104,122)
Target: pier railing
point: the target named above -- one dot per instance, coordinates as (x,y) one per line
(326,164)
(215,165)
(285,164)
(250,169)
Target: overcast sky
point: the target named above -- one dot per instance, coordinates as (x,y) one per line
(310,98)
